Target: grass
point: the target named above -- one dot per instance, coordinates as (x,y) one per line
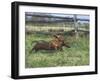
(76,55)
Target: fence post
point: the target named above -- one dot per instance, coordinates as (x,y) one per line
(76,26)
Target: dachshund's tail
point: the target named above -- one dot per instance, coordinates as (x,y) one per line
(33,42)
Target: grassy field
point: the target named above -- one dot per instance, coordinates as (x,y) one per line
(76,55)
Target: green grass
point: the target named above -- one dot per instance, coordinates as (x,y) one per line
(76,55)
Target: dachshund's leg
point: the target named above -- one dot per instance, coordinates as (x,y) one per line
(68,46)
(33,49)
(60,48)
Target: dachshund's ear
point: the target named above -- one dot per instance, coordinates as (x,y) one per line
(55,36)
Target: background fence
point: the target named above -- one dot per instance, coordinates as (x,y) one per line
(48,22)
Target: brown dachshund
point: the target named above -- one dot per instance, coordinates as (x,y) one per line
(55,44)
